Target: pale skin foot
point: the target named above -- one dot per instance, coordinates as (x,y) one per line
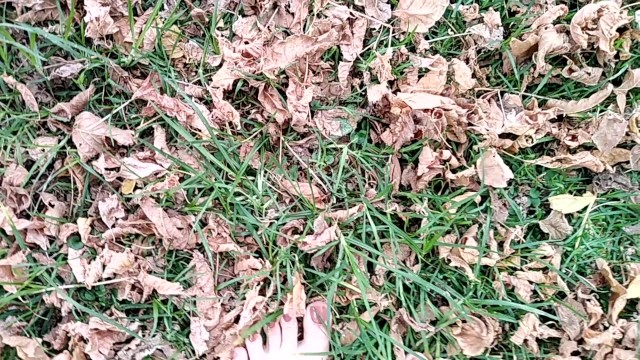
(282,338)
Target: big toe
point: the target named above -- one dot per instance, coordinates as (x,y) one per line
(316,328)
(240,354)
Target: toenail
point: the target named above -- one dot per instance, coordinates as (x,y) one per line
(319,314)
(286,317)
(272,325)
(254,337)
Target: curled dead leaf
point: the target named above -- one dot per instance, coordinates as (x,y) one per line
(556,225)
(90,133)
(582,159)
(611,129)
(25,93)
(419,15)
(476,334)
(74,107)
(492,170)
(308,191)
(576,106)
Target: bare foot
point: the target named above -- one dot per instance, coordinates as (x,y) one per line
(282,338)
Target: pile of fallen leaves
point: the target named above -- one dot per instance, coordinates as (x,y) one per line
(303,61)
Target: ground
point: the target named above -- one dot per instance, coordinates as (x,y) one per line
(177,175)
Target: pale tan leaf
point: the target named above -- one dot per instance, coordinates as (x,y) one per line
(90,132)
(426,101)
(322,235)
(26,348)
(345,215)
(571,317)
(633,289)
(98,19)
(475,335)
(582,159)
(598,23)
(26,94)
(335,122)
(110,210)
(419,15)
(284,52)
(556,225)
(586,75)
(492,170)
(174,230)
(576,106)
(631,81)
(299,96)
(150,283)
(463,75)
(611,129)
(618,298)
(116,264)
(295,305)
(311,192)
(272,103)
(198,335)
(12,272)
(74,107)
(569,204)
(67,71)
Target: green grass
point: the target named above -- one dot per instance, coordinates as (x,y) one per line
(230,188)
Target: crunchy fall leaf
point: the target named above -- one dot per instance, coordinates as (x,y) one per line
(631,81)
(426,101)
(492,170)
(110,210)
(90,133)
(586,75)
(345,215)
(12,272)
(569,204)
(152,283)
(99,21)
(419,15)
(295,305)
(611,129)
(476,334)
(556,225)
(26,348)
(582,159)
(463,75)
(198,335)
(335,122)
(598,22)
(72,108)
(571,317)
(310,192)
(25,93)
(529,330)
(619,295)
(322,235)
(174,230)
(67,71)
(576,106)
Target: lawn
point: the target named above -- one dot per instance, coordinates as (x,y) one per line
(456,180)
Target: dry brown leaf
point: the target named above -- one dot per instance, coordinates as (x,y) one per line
(299,96)
(308,191)
(116,264)
(335,122)
(492,170)
(198,335)
(631,81)
(569,204)
(174,230)
(272,103)
(598,22)
(163,287)
(530,329)
(571,317)
(611,130)
(522,287)
(97,338)
(345,215)
(111,210)
(475,335)
(381,67)
(84,271)
(74,107)
(99,21)
(26,94)
(586,75)
(295,305)
(582,159)
(556,225)
(40,11)
(425,101)
(419,15)
(43,147)
(284,52)
(322,235)
(67,71)
(11,271)
(618,298)
(469,12)
(90,133)
(463,75)
(576,106)
(377,9)
(490,33)
(26,348)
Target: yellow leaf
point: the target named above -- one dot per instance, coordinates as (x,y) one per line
(568,204)
(127,186)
